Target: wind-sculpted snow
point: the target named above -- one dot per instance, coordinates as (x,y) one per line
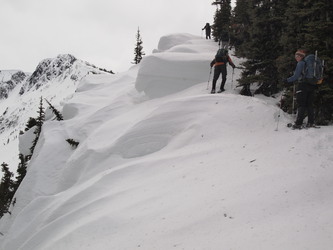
(167,73)
(169,41)
(171,70)
(157,131)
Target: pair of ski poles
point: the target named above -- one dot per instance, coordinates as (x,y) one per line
(232,78)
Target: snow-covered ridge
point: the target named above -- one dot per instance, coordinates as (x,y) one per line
(173,167)
(61,67)
(55,79)
(48,69)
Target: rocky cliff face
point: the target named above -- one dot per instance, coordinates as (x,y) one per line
(7,85)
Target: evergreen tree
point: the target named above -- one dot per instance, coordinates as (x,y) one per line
(217,25)
(138,50)
(222,18)
(73,143)
(56,112)
(263,47)
(239,26)
(21,171)
(6,189)
(30,124)
(39,123)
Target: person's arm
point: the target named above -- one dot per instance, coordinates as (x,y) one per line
(212,63)
(231,62)
(298,72)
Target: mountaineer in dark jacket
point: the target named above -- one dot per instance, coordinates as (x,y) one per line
(208,30)
(220,62)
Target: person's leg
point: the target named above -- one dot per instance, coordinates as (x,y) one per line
(224,77)
(216,76)
(309,105)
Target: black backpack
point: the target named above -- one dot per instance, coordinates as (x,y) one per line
(221,55)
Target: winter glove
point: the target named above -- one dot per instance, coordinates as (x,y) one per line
(212,64)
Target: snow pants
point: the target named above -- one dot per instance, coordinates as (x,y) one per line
(208,34)
(220,69)
(304,97)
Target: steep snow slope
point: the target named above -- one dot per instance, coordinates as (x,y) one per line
(173,168)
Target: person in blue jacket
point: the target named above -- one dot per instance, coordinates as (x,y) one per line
(305,92)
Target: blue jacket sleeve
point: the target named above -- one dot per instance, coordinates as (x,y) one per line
(298,72)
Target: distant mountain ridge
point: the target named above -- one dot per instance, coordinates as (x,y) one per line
(49,69)
(7,85)
(55,79)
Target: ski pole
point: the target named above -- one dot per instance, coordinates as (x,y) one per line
(315,63)
(279,114)
(210,72)
(293,106)
(232,78)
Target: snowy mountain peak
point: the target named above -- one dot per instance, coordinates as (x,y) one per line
(49,69)
(59,68)
(9,80)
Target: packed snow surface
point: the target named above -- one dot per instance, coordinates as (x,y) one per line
(162,164)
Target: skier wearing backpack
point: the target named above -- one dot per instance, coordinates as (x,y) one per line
(208,30)
(305,91)
(220,62)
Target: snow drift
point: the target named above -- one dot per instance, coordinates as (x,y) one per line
(159,75)
(172,167)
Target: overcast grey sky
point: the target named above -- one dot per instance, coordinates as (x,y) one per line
(101,32)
